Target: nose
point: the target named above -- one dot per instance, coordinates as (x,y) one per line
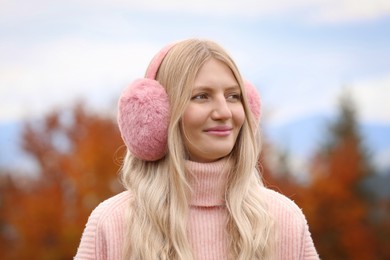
(221,109)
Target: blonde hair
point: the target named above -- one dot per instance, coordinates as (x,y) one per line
(157,219)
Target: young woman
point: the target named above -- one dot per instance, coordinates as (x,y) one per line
(193,189)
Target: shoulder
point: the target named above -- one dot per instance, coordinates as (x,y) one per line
(106,225)
(111,207)
(293,235)
(279,204)
(288,218)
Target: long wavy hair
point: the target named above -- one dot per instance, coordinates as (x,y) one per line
(158,213)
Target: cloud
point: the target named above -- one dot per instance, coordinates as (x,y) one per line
(341,11)
(58,72)
(372,97)
(330,11)
(319,11)
(326,11)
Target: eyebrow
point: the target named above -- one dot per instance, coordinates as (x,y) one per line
(209,88)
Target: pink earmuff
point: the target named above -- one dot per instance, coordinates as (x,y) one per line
(143,113)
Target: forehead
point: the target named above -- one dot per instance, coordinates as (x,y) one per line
(215,73)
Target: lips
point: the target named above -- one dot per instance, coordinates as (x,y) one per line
(219,130)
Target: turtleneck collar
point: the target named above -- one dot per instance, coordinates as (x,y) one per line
(208,182)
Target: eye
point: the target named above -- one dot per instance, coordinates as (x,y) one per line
(234,97)
(200,96)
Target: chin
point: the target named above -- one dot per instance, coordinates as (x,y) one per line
(219,155)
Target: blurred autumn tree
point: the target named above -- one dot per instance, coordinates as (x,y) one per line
(338,208)
(43,217)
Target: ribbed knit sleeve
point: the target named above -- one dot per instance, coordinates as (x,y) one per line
(293,237)
(309,253)
(104,232)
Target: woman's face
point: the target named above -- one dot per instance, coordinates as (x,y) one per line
(214,115)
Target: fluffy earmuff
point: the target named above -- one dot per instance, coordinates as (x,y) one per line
(254,100)
(143,119)
(143,113)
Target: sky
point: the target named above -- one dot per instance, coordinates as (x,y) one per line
(300,54)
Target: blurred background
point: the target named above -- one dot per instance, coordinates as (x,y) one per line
(322,68)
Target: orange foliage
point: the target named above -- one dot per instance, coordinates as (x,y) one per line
(336,207)
(45,217)
(339,211)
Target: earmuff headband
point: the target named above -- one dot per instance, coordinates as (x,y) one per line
(144,114)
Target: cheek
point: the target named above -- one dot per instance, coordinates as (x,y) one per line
(191,119)
(239,116)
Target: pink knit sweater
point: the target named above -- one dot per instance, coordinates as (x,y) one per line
(104,233)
